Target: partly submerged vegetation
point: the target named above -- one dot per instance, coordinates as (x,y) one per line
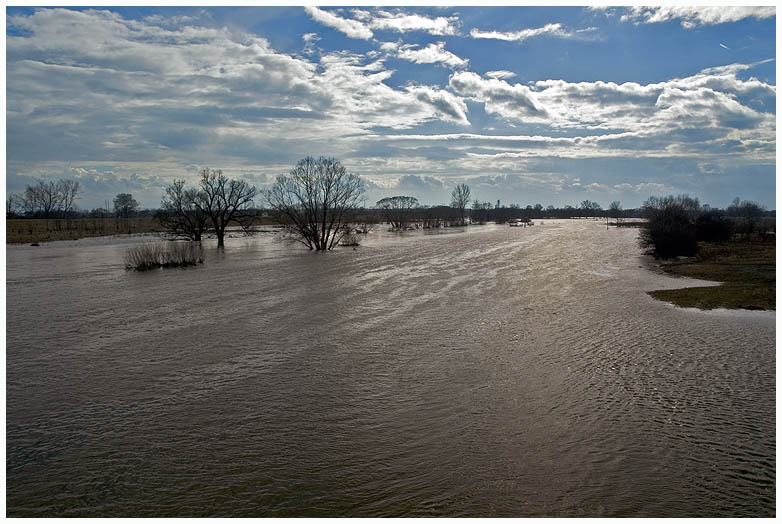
(154,255)
(735,246)
(747,272)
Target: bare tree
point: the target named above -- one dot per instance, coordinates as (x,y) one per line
(12,206)
(180,212)
(460,198)
(68,191)
(314,201)
(480,211)
(615,211)
(748,214)
(224,201)
(125,205)
(396,209)
(41,199)
(45,199)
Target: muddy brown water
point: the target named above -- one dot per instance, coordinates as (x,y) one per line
(491,371)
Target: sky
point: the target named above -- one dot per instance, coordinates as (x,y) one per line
(549,105)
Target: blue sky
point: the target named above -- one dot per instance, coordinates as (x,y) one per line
(549,105)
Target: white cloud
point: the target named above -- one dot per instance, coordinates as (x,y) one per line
(519,36)
(403,23)
(390,47)
(432,54)
(99,89)
(310,39)
(508,101)
(501,74)
(691,17)
(102,92)
(448,105)
(364,22)
(645,187)
(351,28)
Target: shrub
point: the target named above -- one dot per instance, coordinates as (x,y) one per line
(670,227)
(712,227)
(156,255)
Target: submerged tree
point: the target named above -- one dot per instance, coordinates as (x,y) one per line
(615,211)
(315,200)
(181,213)
(460,198)
(396,209)
(225,201)
(480,211)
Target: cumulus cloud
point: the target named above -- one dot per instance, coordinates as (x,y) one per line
(499,97)
(390,47)
(351,28)
(431,54)
(710,99)
(420,182)
(449,106)
(691,17)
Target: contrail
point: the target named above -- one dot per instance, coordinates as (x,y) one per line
(723,45)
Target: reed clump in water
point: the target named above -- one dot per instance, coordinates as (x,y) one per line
(154,255)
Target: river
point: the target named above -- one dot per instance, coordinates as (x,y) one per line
(486,371)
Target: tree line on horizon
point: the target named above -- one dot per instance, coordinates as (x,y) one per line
(319,203)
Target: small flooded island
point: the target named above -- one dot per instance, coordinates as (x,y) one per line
(396,262)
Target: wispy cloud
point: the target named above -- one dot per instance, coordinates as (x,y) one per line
(363,23)
(351,28)
(501,74)
(555,30)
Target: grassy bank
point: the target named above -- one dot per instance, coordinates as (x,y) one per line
(24,230)
(747,271)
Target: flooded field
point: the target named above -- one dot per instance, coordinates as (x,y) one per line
(491,371)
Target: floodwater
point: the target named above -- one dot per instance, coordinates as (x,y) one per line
(491,371)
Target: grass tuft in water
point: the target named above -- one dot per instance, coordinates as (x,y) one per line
(154,255)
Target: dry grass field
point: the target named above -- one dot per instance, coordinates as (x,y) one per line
(23,230)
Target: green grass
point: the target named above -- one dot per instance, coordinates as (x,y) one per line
(747,271)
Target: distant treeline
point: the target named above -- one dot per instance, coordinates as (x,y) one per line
(56,199)
(304,203)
